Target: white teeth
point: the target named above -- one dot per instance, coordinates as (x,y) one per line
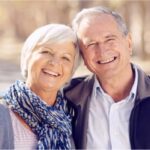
(107,60)
(51,73)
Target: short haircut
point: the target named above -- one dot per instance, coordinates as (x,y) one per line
(51,33)
(85,13)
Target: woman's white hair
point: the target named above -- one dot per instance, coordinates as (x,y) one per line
(48,34)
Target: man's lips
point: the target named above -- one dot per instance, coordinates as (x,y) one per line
(106,61)
(51,73)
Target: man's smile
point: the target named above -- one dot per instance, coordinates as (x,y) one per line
(108,60)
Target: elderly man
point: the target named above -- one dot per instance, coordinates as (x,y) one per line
(112,105)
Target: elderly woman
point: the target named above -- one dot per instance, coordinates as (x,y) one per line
(35,113)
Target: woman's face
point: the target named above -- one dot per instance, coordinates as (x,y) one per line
(51,66)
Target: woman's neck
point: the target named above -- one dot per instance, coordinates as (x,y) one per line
(48,96)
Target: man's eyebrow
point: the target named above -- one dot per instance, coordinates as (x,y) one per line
(110,36)
(87,41)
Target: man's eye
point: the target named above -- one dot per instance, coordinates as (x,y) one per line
(109,40)
(91,44)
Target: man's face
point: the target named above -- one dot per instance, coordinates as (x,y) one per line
(106,51)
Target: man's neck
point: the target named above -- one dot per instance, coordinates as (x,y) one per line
(118,87)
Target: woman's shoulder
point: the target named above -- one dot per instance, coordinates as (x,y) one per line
(5,118)
(4,110)
(2,102)
(6,130)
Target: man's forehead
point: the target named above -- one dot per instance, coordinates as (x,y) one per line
(87,39)
(100,26)
(91,18)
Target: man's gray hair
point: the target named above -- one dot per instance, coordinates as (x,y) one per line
(52,33)
(96,11)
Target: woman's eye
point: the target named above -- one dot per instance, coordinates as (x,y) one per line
(66,58)
(46,52)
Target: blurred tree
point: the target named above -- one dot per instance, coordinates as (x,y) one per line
(18,18)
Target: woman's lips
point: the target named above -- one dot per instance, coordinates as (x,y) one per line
(51,73)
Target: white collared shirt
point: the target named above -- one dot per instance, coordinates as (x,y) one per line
(108,122)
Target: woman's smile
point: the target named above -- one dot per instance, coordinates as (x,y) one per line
(51,73)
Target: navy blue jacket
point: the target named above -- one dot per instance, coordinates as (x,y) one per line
(79,93)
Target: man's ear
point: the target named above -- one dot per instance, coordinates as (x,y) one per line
(84,60)
(129,40)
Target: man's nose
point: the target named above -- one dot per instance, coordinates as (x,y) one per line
(101,48)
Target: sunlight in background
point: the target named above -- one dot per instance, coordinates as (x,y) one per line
(18,18)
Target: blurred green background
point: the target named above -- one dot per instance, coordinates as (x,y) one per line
(18,18)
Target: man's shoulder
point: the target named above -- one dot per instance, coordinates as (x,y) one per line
(143,77)
(79,81)
(79,89)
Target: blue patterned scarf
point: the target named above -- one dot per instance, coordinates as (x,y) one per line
(51,124)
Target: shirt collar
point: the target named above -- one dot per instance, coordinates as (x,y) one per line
(134,86)
(97,87)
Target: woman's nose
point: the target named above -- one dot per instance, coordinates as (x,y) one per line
(54,61)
